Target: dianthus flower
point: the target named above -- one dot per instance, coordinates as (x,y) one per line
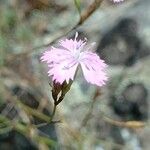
(117,1)
(64,60)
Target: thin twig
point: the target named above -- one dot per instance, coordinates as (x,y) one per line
(89,11)
(128,124)
(47,123)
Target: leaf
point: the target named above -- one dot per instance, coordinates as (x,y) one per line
(78,5)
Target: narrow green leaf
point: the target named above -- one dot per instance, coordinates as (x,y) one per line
(78,5)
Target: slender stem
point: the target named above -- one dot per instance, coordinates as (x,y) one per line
(51,118)
(53,112)
(39,115)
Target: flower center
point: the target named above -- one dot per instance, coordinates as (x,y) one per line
(77,55)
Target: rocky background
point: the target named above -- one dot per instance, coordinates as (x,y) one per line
(91,118)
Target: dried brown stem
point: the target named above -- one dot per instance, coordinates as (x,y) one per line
(128,124)
(90,10)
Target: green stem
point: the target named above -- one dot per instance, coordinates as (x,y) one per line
(53,112)
(51,118)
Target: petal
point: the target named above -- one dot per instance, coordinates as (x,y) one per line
(93,68)
(55,55)
(63,71)
(67,44)
(117,1)
(92,58)
(73,45)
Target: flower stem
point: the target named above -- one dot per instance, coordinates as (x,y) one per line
(51,118)
(53,112)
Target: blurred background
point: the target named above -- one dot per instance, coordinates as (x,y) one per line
(91,118)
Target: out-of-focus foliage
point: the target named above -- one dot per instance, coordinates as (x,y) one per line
(78,5)
(91,118)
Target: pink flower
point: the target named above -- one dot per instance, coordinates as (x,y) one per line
(117,1)
(64,60)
